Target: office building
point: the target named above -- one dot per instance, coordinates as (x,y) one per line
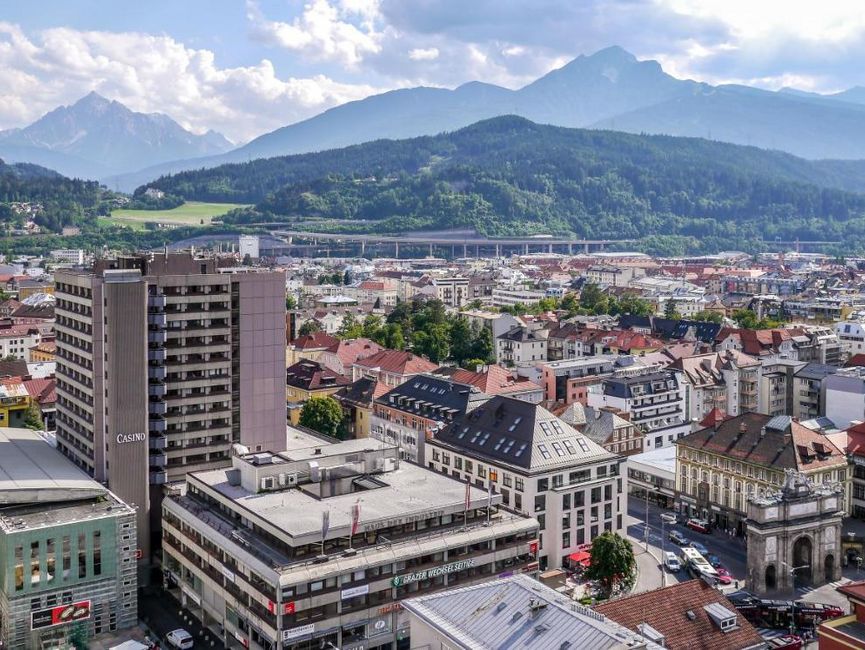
(522,614)
(320,546)
(163,362)
(67,550)
(542,467)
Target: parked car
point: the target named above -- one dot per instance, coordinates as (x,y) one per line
(699,525)
(180,639)
(714,560)
(702,550)
(672,562)
(724,576)
(786,642)
(678,538)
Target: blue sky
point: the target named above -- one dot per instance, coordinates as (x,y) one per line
(244,67)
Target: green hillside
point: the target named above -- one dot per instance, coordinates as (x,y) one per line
(509,176)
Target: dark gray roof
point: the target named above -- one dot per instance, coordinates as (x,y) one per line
(508,431)
(623,386)
(520,333)
(816,371)
(671,329)
(433,397)
(519,612)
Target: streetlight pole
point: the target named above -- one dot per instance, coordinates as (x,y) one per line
(646,532)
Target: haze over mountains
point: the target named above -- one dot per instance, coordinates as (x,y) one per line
(97,137)
(610,89)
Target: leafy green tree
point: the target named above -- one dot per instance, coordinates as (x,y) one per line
(391,336)
(371,326)
(482,343)
(350,328)
(347,277)
(290,302)
(613,562)
(432,342)
(633,305)
(33,417)
(670,310)
(747,319)
(472,364)
(708,317)
(309,327)
(323,414)
(461,340)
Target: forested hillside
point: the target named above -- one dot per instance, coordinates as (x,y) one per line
(56,200)
(510,176)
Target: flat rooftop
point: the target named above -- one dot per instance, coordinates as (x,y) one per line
(18,518)
(31,470)
(407,493)
(663,459)
(519,612)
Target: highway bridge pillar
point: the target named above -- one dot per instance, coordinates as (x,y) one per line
(526,249)
(551,248)
(430,250)
(362,247)
(477,250)
(465,250)
(498,250)
(570,248)
(396,249)
(587,248)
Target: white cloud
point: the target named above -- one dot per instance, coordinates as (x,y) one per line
(324,31)
(155,73)
(424,54)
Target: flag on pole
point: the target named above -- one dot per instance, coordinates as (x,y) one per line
(355,517)
(325,523)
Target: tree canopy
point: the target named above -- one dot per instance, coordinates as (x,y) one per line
(613,563)
(323,414)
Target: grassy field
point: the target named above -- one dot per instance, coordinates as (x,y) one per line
(188,214)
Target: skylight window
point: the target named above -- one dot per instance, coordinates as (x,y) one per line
(558,449)
(507,448)
(500,443)
(583,445)
(569,446)
(475,437)
(522,448)
(557,427)
(463,433)
(484,439)
(545,427)
(544,451)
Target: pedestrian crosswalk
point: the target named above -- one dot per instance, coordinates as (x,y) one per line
(805,590)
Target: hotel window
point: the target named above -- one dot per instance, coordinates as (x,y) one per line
(446,459)
(34,563)
(97,553)
(82,556)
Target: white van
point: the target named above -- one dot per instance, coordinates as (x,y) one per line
(180,639)
(672,562)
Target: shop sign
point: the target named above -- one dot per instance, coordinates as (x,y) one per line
(399,581)
(387,609)
(353,592)
(59,615)
(381,625)
(295,632)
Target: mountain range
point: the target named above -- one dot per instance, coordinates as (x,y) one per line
(610,89)
(509,176)
(96,137)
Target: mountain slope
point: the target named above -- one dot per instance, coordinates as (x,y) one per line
(507,175)
(610,89)
(96,137)
(802,125)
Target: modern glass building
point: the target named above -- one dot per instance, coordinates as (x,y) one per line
(67,549)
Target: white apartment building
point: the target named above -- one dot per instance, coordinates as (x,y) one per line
(511,297)
(541,466)
(657,402)
(851,333)
(452,291)
(845,396)
(521,346)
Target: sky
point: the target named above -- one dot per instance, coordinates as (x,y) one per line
(246,67)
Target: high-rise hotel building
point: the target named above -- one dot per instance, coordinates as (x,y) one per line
(163,362)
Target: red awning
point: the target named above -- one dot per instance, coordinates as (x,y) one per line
(581,557)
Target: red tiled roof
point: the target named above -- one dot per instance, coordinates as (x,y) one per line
(714,417)
(42,390)
(495,380)
(314,341)
(666,610)
(855,360)
(397,362)
(350,350)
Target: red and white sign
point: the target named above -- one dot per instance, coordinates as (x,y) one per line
(59,615)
